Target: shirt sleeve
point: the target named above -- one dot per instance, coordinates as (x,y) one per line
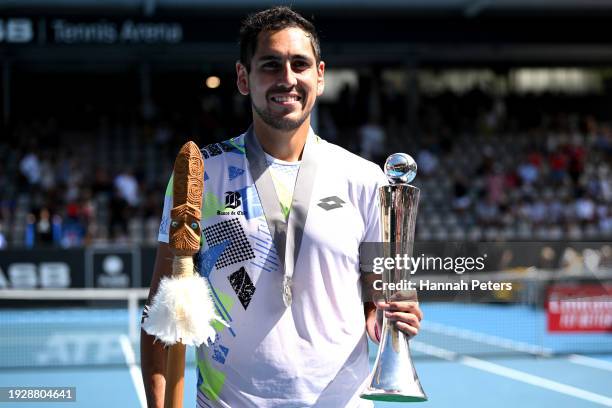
(372,205)
(164,226)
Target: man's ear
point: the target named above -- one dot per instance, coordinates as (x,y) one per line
(320,78)
(242,78)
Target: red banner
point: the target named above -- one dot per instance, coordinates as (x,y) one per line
(579,308)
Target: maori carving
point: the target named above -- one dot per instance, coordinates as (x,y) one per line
(187,192)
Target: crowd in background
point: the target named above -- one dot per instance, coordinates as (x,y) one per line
(529,163)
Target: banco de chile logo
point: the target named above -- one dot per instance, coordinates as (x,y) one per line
(233,201)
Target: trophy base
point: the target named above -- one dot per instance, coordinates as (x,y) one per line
(392,397)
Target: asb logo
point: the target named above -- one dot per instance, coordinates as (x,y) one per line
(16,30)
(232,199)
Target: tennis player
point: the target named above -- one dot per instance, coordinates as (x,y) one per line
(284,214)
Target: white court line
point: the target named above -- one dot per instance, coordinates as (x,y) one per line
(512,344)
(135,372)
(486,338)
(511,373)
(590,362)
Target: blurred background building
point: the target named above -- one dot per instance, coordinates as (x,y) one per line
(504,104)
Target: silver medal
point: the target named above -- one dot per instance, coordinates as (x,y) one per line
(287,296)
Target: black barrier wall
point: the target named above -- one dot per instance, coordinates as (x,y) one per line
(125,267)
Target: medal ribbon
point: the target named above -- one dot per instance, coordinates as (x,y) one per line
(287,235)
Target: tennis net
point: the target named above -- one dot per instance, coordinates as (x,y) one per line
(101,327)
(530,312)
(70,327)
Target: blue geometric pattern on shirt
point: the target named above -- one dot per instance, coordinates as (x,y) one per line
(213,149)
(239,249)
(206,262)
(288,169)
(234,172)
(199,374)
(219,352)
(209,257)
(250,202)
(206,176)
(267,258)
(164,226)
(232,146)
(243,286)
(201,401)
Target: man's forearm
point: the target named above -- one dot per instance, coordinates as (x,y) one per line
(153,355)
(153,364)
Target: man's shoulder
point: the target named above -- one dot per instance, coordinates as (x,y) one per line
(354,164)
(233,146)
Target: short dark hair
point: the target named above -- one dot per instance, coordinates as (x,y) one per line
(273,19)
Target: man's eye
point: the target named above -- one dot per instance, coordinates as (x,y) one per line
(300,65)
(271,65)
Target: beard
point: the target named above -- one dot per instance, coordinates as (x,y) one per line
(280,123)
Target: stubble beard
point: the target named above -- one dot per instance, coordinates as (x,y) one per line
(280,123)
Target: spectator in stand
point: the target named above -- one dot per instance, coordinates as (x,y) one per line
(427,162)
(604,182)
(30,168)
(495,185)
(558,166)
(537,211)
(3,243)
(119,216)
(102,184)
(127,187)
(585,209)
(73,230)
(605,221)
(554,208)
(74,180)
(461,201)
(527,172)
(47,169)
(372,141)
(42,228)
(575,166)
(487,212)
(88,215)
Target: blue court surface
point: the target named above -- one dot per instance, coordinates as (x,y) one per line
(466,356)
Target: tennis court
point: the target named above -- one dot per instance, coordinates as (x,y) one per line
(477,355)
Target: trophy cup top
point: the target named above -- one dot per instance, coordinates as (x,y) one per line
(400,168)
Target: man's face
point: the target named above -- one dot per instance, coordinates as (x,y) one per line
(285,78)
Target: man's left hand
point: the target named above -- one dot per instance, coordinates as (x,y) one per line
(407,315)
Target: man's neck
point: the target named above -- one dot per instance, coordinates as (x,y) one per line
(282,145)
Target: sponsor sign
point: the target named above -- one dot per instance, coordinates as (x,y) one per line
(41,269)
(579,308)
(113,267)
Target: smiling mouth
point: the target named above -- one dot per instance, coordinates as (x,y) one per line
(286,99)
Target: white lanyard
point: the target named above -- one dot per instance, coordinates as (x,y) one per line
(286,234)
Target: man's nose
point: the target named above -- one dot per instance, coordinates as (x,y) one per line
(287,76)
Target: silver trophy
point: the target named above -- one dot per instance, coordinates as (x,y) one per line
(394,377)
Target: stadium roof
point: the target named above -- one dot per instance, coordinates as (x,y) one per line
(467,7)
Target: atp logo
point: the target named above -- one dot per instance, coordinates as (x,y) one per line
(232,199)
